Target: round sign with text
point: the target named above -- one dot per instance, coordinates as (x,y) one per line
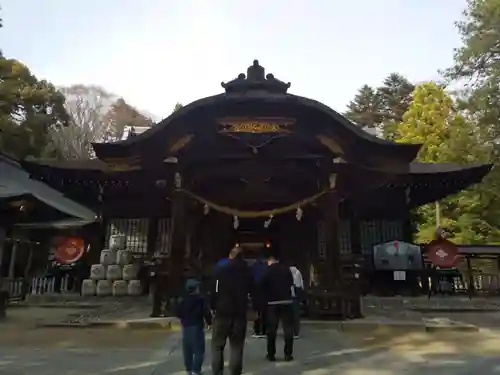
(442,253)
(69,250)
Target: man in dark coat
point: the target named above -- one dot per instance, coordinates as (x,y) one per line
(276,288)
(232,286)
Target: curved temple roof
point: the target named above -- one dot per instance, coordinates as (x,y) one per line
(16,182)
(247,94)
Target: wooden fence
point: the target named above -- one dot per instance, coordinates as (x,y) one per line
(38,286)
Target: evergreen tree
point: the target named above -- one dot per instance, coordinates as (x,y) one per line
(395,96)
(364,110)
(383,107)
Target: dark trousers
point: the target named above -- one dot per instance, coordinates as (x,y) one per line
(235,330)
(296,317)
(159,296)
(276,314)
(193,348)
(259,326)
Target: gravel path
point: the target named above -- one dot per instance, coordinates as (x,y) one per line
(318,352)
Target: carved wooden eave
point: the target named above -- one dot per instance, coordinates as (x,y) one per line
(271,99)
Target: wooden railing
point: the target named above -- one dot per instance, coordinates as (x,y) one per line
(18,289)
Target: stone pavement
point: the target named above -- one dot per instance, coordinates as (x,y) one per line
(318,352)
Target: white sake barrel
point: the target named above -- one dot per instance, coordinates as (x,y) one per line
(103,288)
(88,287)
(114,272)
(97,272)
(123,257)
(134,288)
(117,242)
(108,257)
(120,288)
(130,272)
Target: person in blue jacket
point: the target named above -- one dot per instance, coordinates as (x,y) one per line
(259,326)
(224,261)
(194,312)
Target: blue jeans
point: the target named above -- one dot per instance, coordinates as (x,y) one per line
(193,348)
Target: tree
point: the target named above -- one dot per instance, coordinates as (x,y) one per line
(96,116)
(29,109)
(177,106)
(382,107)
(476,70)
(395,96)
(477,63)
(121,114)
(87,107)
(364,110)
(447,136)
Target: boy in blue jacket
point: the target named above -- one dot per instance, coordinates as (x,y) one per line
(194,312)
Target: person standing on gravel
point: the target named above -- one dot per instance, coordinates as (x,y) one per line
(232,285)
(276,288)
(194,312)
(298,295)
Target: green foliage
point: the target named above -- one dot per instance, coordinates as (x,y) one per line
(382,107)
(447,136)
(177,106)
(477,69)
(29,108)
(364,110)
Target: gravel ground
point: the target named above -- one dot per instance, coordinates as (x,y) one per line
(318,352)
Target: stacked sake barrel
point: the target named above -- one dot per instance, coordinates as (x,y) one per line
(115,274)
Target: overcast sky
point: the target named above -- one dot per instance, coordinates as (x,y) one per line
(157,52)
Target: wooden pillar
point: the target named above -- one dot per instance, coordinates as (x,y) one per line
(355,233)
(177,238)
(333,262)
(470,276)
(12,264)
(3,234)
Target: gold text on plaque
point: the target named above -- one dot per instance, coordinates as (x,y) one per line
(256,126)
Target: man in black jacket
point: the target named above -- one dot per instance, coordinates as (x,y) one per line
(276,288)
(232,285)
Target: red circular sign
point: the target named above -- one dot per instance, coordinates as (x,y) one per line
(442,253)
(69,250)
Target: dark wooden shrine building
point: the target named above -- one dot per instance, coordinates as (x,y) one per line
(256,164)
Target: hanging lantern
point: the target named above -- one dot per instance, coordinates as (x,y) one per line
(206,209)
(236,222)
(178,180)
(268,221)
(333,180)
(299,213)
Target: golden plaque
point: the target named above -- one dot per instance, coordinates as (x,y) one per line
(256,125)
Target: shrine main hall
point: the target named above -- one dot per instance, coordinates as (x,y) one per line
(256,165)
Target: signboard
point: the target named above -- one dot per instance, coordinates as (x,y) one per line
(399,275)
(397,255)
(69,249)
(442,253)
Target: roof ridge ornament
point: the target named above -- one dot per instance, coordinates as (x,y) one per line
(256,80)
